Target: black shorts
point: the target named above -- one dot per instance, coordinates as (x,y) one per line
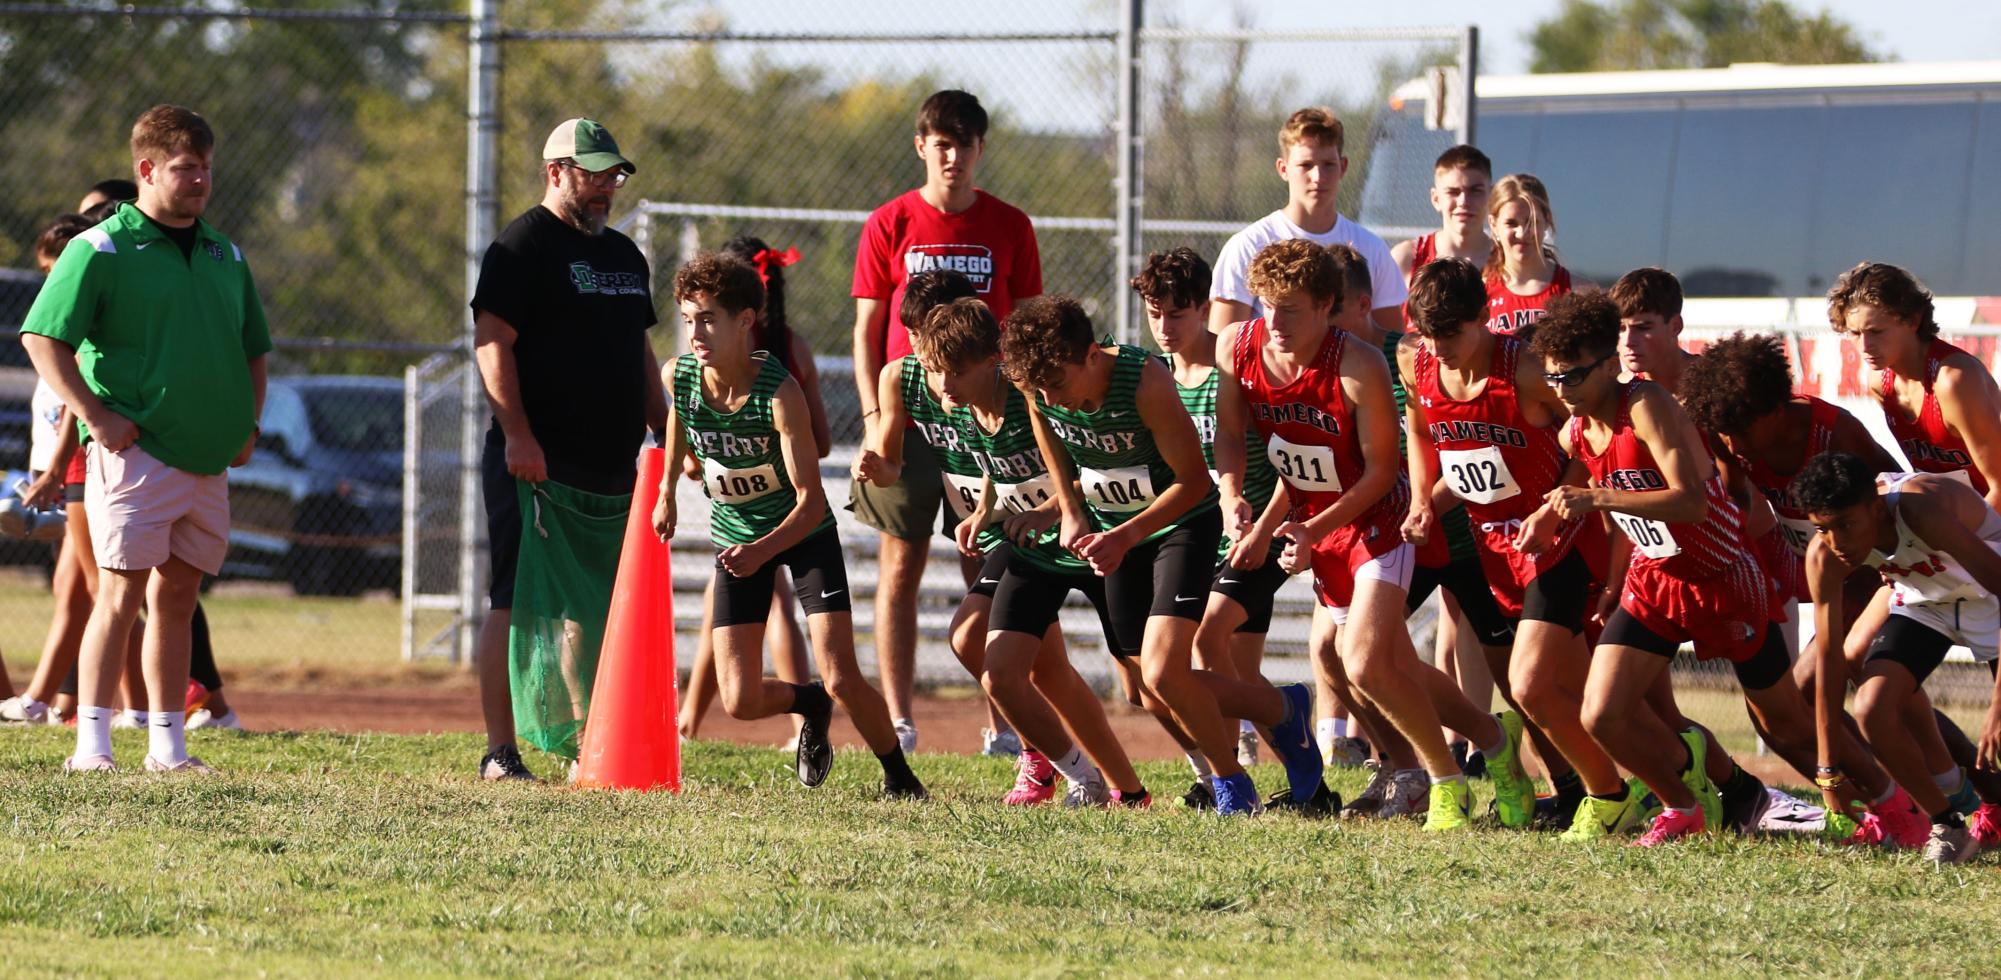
(1252,590)
(1168,576)
(1919,648)
(503,520)
(1028,597)
(1468,583)
(1561,594)
(992,569)
(819,579)
(1757,672)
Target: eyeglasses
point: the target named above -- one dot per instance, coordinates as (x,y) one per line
(615,177)
(1575,376)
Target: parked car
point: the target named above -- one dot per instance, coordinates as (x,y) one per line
(320,504)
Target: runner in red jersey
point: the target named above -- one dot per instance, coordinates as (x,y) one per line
(1461,179)
(1940,402)
(1324,406)
(1523,275)
(1691,577)
(1483,417)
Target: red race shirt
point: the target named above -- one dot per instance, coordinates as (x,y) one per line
(1704,550)
(1785,553)
(992,243)
(1927,442)
(1508,312)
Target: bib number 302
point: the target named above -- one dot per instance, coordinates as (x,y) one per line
(1478,475)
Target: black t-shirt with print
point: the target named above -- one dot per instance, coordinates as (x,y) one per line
(580,306)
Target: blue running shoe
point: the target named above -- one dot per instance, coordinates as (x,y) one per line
(1293,740)
(1235,795)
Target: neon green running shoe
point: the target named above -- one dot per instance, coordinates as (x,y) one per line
(1697,779)
(1514,792)
(1451,807)
(1598,818)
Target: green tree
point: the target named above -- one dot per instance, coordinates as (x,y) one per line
(1621,35)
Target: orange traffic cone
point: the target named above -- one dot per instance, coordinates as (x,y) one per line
(630,738)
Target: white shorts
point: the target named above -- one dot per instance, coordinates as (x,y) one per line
(1972,623)
(143,511)
(1394,566)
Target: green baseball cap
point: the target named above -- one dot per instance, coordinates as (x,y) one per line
(587,142)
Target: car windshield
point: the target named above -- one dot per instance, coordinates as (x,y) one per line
(356,419)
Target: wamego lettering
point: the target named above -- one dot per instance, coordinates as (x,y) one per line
(1296,412)
(1635,480)
(1918,449)
(975,262)
(1108,442)
(1464,431)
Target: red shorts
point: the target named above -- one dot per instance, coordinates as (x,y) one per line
(1724,617)
(77,472)
(1509,572)
(1338,556)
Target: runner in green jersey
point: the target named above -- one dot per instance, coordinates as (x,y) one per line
(1142,511)
(746,422)
(984,422)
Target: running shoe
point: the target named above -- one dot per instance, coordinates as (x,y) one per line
(1671,825)
(1902,822)
(1366,804)
(1950,845)
(1451,807)
(189,765)
(815,758)
(1514,792)
(1139,799)
(1697,779)
(1985,826)
(1034,780)
(1347,752)
(1964,800)
(24,710)
(1089,791)
(95,763)
(207,719)
(905,790)
(1237,796)
(1596,818)
(1410,795)
(130,720)
(995,743)
(197,696)
(1292,740)
(1199,796)
(1324,802)
(504,763)
(906,735)
(1743,806)
(1783,813)
(1247,747)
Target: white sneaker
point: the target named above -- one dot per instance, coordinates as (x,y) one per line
(1247,748)
(1950,845)
(1370,799)
(22,710)
(203,718)
(1410,795)
(1783,813)
(189,764)
(95,763)
(906,735)
(1088,792)
(128,719)
(999,743)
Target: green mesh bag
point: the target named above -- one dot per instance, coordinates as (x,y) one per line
(570,542)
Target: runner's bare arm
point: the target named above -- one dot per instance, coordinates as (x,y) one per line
(795,443)
(1678,448)
(1851,436)
(1825,577)
(1365,383)
(1404,252)
(871,316)
(880,460)
(1229,452)
(1223,312)
(1947,514)
(664,509)
(1062,478)
(1180,448)
(1423,519)
(1970,403)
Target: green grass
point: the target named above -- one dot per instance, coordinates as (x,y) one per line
(326,854)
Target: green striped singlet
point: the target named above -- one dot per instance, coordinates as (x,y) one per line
(1119,467)
(1259,477)
(961,472)
(1021,479)
(1457,527)
(743,463)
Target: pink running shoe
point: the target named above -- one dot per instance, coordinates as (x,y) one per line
(1670,825)
(1985,826)
(1899,822)
(1034,780)
(1869,832)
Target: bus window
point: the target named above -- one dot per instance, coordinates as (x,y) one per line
(1892,188)
(1738,211)
(1983,210)
(1607,174)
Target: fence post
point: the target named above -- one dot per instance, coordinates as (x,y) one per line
(1126,237)
(413,441)
(482,176)
(1469,73)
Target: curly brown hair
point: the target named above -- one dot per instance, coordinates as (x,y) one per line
(1737,380)
(1042,337)
(1445,296)
(1648,290)
(1294,266)
(733,282)
(957,334)
(1174,280)
(1887,288)
(1578,328)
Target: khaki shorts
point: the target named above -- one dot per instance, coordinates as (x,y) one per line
(912,506)
(143,511)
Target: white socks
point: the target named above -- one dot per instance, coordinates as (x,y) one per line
(1200,763)
(93,732)
(1949,780)
(1075,767)
(136,717)
(167,737)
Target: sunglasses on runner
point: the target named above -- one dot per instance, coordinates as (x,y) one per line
(1575,376)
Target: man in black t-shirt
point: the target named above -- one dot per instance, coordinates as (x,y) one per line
(560,320)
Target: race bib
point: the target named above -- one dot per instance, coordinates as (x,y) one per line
(1120,489)
(732,486)
(1798,533)
(1020,498)
(1478,475)
(964,492)
(1650,537)
(1304,467)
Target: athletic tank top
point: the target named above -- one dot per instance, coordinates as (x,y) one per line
(1508,312)
(1776,486)
(1918,573)
(1309,431)
(1456,525)
(1927,442)
(1259,478)
(1685,551)
(1119,468)
(1487,451)
(1021,479)
(743,463)
(948,443)
(1423,250)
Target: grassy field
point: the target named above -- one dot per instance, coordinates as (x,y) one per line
(325,854)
